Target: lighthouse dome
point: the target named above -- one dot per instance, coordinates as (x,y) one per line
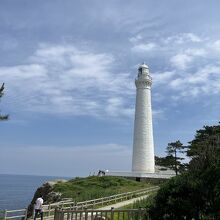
(143,70)
(144,66)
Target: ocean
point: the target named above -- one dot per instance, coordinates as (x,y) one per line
(17,191)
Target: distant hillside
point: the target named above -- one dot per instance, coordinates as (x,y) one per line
(95,187)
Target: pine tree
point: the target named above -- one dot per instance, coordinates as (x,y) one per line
(172,150)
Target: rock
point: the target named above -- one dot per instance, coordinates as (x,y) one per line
(49,196)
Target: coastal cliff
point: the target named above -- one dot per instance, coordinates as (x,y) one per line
(48,193)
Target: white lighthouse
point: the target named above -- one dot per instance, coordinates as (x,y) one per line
(143,164)
(143,143)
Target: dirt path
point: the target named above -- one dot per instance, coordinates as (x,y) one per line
(123,203)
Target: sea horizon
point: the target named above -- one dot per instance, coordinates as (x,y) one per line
(17,190)
(13,174)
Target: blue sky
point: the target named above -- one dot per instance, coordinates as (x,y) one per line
(69,70)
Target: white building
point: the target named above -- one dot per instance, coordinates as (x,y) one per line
(143,143)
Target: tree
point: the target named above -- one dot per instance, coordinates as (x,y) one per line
(172,150)
(179,198)
(204,150)
(196,192)
(170,162)
(3,117)
(167,161)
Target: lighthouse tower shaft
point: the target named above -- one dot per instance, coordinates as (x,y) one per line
(143,144)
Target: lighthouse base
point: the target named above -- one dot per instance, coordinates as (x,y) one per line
(160,173)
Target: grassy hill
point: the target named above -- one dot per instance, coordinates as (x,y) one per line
(95,187)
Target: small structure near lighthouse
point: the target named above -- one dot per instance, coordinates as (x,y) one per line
(143,143)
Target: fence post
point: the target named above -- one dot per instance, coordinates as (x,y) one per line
(5,214)
(63,214)
(55,214)
(86,214)
(68,215)
(33,212)
(26,213)
(147,214)
(49,207)
(139,213)
(112,213)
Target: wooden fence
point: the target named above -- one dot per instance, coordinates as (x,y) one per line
(49,210)
(112,214)
(104,200)
(13,214)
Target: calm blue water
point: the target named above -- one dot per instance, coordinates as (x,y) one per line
(17,191)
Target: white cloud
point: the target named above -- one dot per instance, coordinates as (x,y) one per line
(115,107)
(140,48)
(66,80)
(192,37)
(195,69)
(182,38)
(135,39)
(158,114)
(177,84)
(162,78)
(23,72)
(191,63)
(215,45)
(63,79)
(181,60)
(196,52)
(203,82)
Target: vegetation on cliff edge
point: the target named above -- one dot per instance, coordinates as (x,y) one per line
(93,187)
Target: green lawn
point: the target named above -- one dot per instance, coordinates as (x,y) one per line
(93,187)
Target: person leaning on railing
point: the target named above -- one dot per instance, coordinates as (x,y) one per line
(38,208)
